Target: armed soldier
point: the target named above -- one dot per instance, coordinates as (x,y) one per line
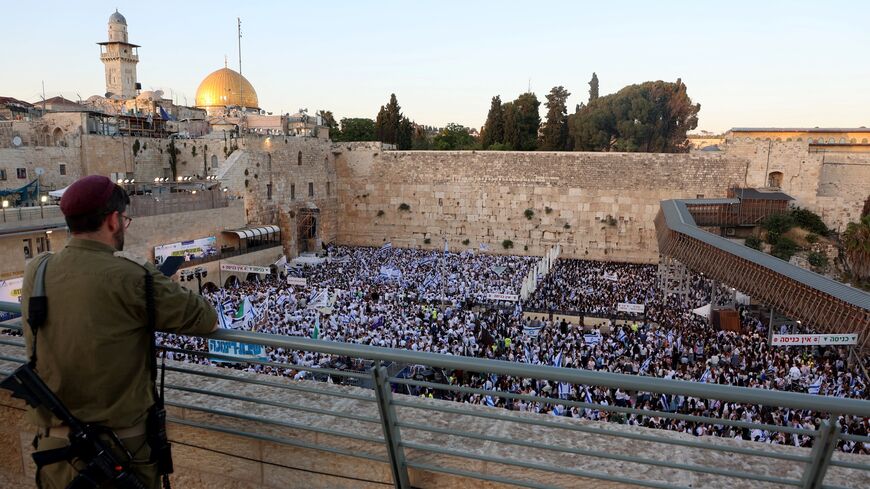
(94,347)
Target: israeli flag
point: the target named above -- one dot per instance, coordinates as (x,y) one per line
(557,362)
(483,247)
(387,245)
(645,366)
(815,387)
(222,318)
(588,397)
(621,336)
(528,354)
(664,402)
(489,401)
(564,390)
(705,376)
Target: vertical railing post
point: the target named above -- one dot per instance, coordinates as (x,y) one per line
(820,457)
(384,396)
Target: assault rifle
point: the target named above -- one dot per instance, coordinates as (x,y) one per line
(85,440)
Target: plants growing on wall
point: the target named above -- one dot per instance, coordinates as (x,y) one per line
(404,207)
(529,214)
(507,244)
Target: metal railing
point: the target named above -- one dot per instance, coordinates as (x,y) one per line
(31,214)
(405,433)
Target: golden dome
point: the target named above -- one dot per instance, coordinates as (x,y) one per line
(226,87)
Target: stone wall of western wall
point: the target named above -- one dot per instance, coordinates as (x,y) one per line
(596,205)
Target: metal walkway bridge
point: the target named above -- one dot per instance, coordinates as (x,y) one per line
(818,302)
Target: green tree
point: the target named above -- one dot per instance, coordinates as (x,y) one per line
(405,134)
(521,122)
(388,121)
(493,130)
(856,242)
(650,117)
(593,87)
(356,129)
(555,131)
(454,137)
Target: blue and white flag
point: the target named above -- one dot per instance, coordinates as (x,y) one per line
(705,376)
(387,245)
(390,273)
(222,318)
(489,401)
(664,402)
(564,390)
(645,366)
(815,387)
(425,261)
(527,354)
(557,362)
(592,339)
(483,247)
(446,246)
(621,336)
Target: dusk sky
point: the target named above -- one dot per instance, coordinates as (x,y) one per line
(759,63)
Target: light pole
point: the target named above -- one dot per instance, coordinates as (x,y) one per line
(5,205)
(42,200)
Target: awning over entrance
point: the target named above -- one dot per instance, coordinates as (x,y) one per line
(254,232)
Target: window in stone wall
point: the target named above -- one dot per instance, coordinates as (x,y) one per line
(214,162)
(28,249)
(774,179)
(328,188)
(269,191)
(3,174)
(21,172)
(299,158)
(62,169)
(864,141)
(311,189)
(292,191)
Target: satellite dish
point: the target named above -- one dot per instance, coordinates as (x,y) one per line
(16,141)
(39,172)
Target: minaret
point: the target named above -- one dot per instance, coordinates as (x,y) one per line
(120,58)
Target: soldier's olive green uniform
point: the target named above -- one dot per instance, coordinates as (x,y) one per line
(93,350)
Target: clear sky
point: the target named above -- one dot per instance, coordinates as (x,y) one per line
(755,63)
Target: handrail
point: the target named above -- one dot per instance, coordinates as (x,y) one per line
(840,406)
(403,419)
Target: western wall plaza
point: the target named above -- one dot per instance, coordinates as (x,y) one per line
(617,283)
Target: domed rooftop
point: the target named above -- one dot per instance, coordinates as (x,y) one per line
(117,18)
(226,87)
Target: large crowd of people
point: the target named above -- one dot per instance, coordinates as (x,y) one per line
(437,302)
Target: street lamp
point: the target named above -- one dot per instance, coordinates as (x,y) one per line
(5,205)
(42,200)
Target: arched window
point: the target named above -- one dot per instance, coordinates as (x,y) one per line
(214,162)
(788,140)
(853,141)
(842,140)
(810,140)
(57,136)
(299,158)
(864,141)
(799,139)
(831,141)
(774,179)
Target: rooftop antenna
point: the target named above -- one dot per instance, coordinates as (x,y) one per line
(530,86)
(43,96)
(79,96)
(241,98)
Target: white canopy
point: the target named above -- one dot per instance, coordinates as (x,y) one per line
(58,193)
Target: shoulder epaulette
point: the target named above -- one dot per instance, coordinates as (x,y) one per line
(133,258)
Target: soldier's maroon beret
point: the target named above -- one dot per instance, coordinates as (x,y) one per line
(86,195)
